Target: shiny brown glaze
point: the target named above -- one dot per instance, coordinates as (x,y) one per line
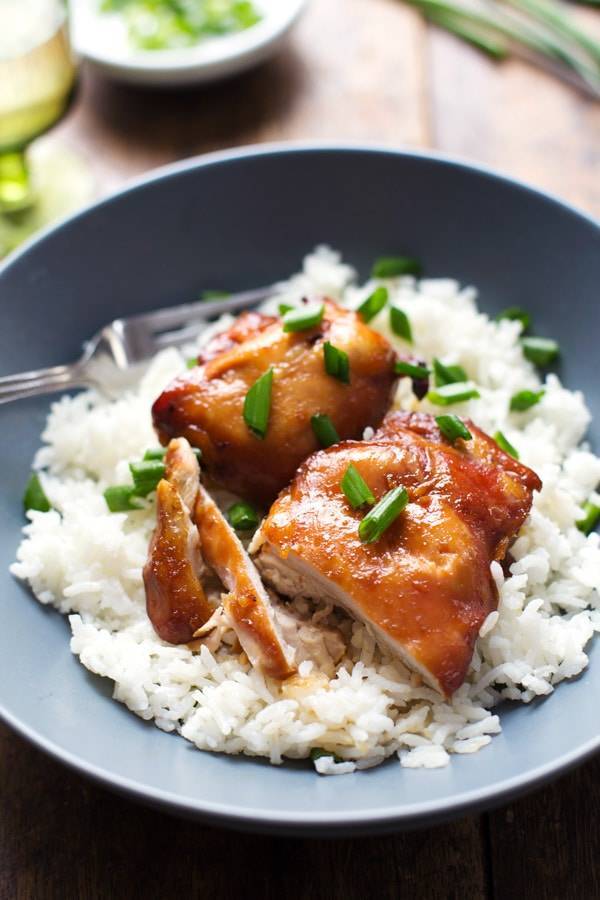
(206,404)
(425,585)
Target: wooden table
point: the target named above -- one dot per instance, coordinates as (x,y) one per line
(364,70)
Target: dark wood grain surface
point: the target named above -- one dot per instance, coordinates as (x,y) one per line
(362,70)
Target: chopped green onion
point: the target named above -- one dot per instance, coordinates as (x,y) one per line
(324,430)
(516,314)
(337,363)
(393,266)
(191,362)
(317,752)
(146,475)
(356,488)
(382,515)
(257,405)
(452,427)
(35,496)
(122,498)
(505,445)
(591,517)
(448,374)
(400,325)
(214,295)
(523,400)
(243,516)
(410,370)
(453,393)
(540,351)
(303,318)
(285,308)
(155,453)
(374,303)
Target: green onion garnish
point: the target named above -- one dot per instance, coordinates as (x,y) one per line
(539,351)
(374,303)
(400,324)
(243,516)
(515,313)
(448,374)
(590,518)
(523,400)
(324,430)
(452,427)
(192,362)
(257,405)
(411,370)
(317,752)
(285,308)
(303,318)
(35,496)
(146,475)
(214,295)
(505,445)
(393,266)
(122,498)
(337,363)
(155,453)
(453,393)
(382,515)
(356,488)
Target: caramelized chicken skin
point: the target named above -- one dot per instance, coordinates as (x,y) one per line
(425,586)
(206,404)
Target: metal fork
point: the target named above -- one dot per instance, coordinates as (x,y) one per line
(113,357)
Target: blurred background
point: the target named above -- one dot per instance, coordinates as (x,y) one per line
(513,85)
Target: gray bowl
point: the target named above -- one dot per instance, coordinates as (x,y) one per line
(242,219)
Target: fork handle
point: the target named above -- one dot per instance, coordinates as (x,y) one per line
(42,381)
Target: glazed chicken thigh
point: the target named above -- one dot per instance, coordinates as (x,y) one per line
(206,404)
(424,587)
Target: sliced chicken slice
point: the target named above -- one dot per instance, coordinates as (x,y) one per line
(206,404)
(247,605)
(175,598)
(425,587)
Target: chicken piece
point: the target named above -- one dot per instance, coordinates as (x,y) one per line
(175,598)
(247,605)
(206,404)
(425,587)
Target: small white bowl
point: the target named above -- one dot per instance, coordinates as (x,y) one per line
(101,38)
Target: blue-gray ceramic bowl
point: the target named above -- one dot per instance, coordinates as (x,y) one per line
(241,219)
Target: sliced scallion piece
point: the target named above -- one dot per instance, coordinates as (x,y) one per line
(317,752)
(400,324)
(155,453)
(393,266)
(122,498)
(452,427)
(146,475)
(191,362)
(355,488)
(540,351)
(515,313)
(35,495)
(382,515)
(374,303)
(591,517)
(523,400)
(505,445)
(411,370)
(337,362)
(303,318)
(448,374)
(243,516)
(257,405)
(453,393)
(324,430)
(285,308)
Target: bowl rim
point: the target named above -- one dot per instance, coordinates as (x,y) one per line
(315,823)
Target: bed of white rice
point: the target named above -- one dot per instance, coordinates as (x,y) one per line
(87,562)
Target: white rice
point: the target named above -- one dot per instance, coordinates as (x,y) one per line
(87,562)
